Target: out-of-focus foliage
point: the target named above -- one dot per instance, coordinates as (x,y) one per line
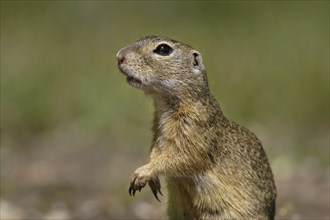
(62,94)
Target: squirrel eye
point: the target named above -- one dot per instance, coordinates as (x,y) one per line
(163,49)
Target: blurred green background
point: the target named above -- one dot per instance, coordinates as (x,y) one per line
(73,131)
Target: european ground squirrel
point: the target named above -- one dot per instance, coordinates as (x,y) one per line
(214,168)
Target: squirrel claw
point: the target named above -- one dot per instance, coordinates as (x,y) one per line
(132,188)
(154,185)
(135,186)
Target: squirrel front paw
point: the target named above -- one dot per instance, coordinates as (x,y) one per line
(140,178)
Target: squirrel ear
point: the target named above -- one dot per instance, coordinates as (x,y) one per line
(198,65)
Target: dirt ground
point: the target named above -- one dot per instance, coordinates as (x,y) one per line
(90,181)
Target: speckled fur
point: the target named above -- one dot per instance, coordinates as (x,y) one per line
(215,169)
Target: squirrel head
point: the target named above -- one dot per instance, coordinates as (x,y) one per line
(159,65)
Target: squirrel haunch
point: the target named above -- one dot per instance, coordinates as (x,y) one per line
(214,168)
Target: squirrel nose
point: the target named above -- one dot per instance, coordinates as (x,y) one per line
(120,58)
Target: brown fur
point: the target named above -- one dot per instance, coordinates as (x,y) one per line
(215,169)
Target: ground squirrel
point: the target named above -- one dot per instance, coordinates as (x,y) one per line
(214,168)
